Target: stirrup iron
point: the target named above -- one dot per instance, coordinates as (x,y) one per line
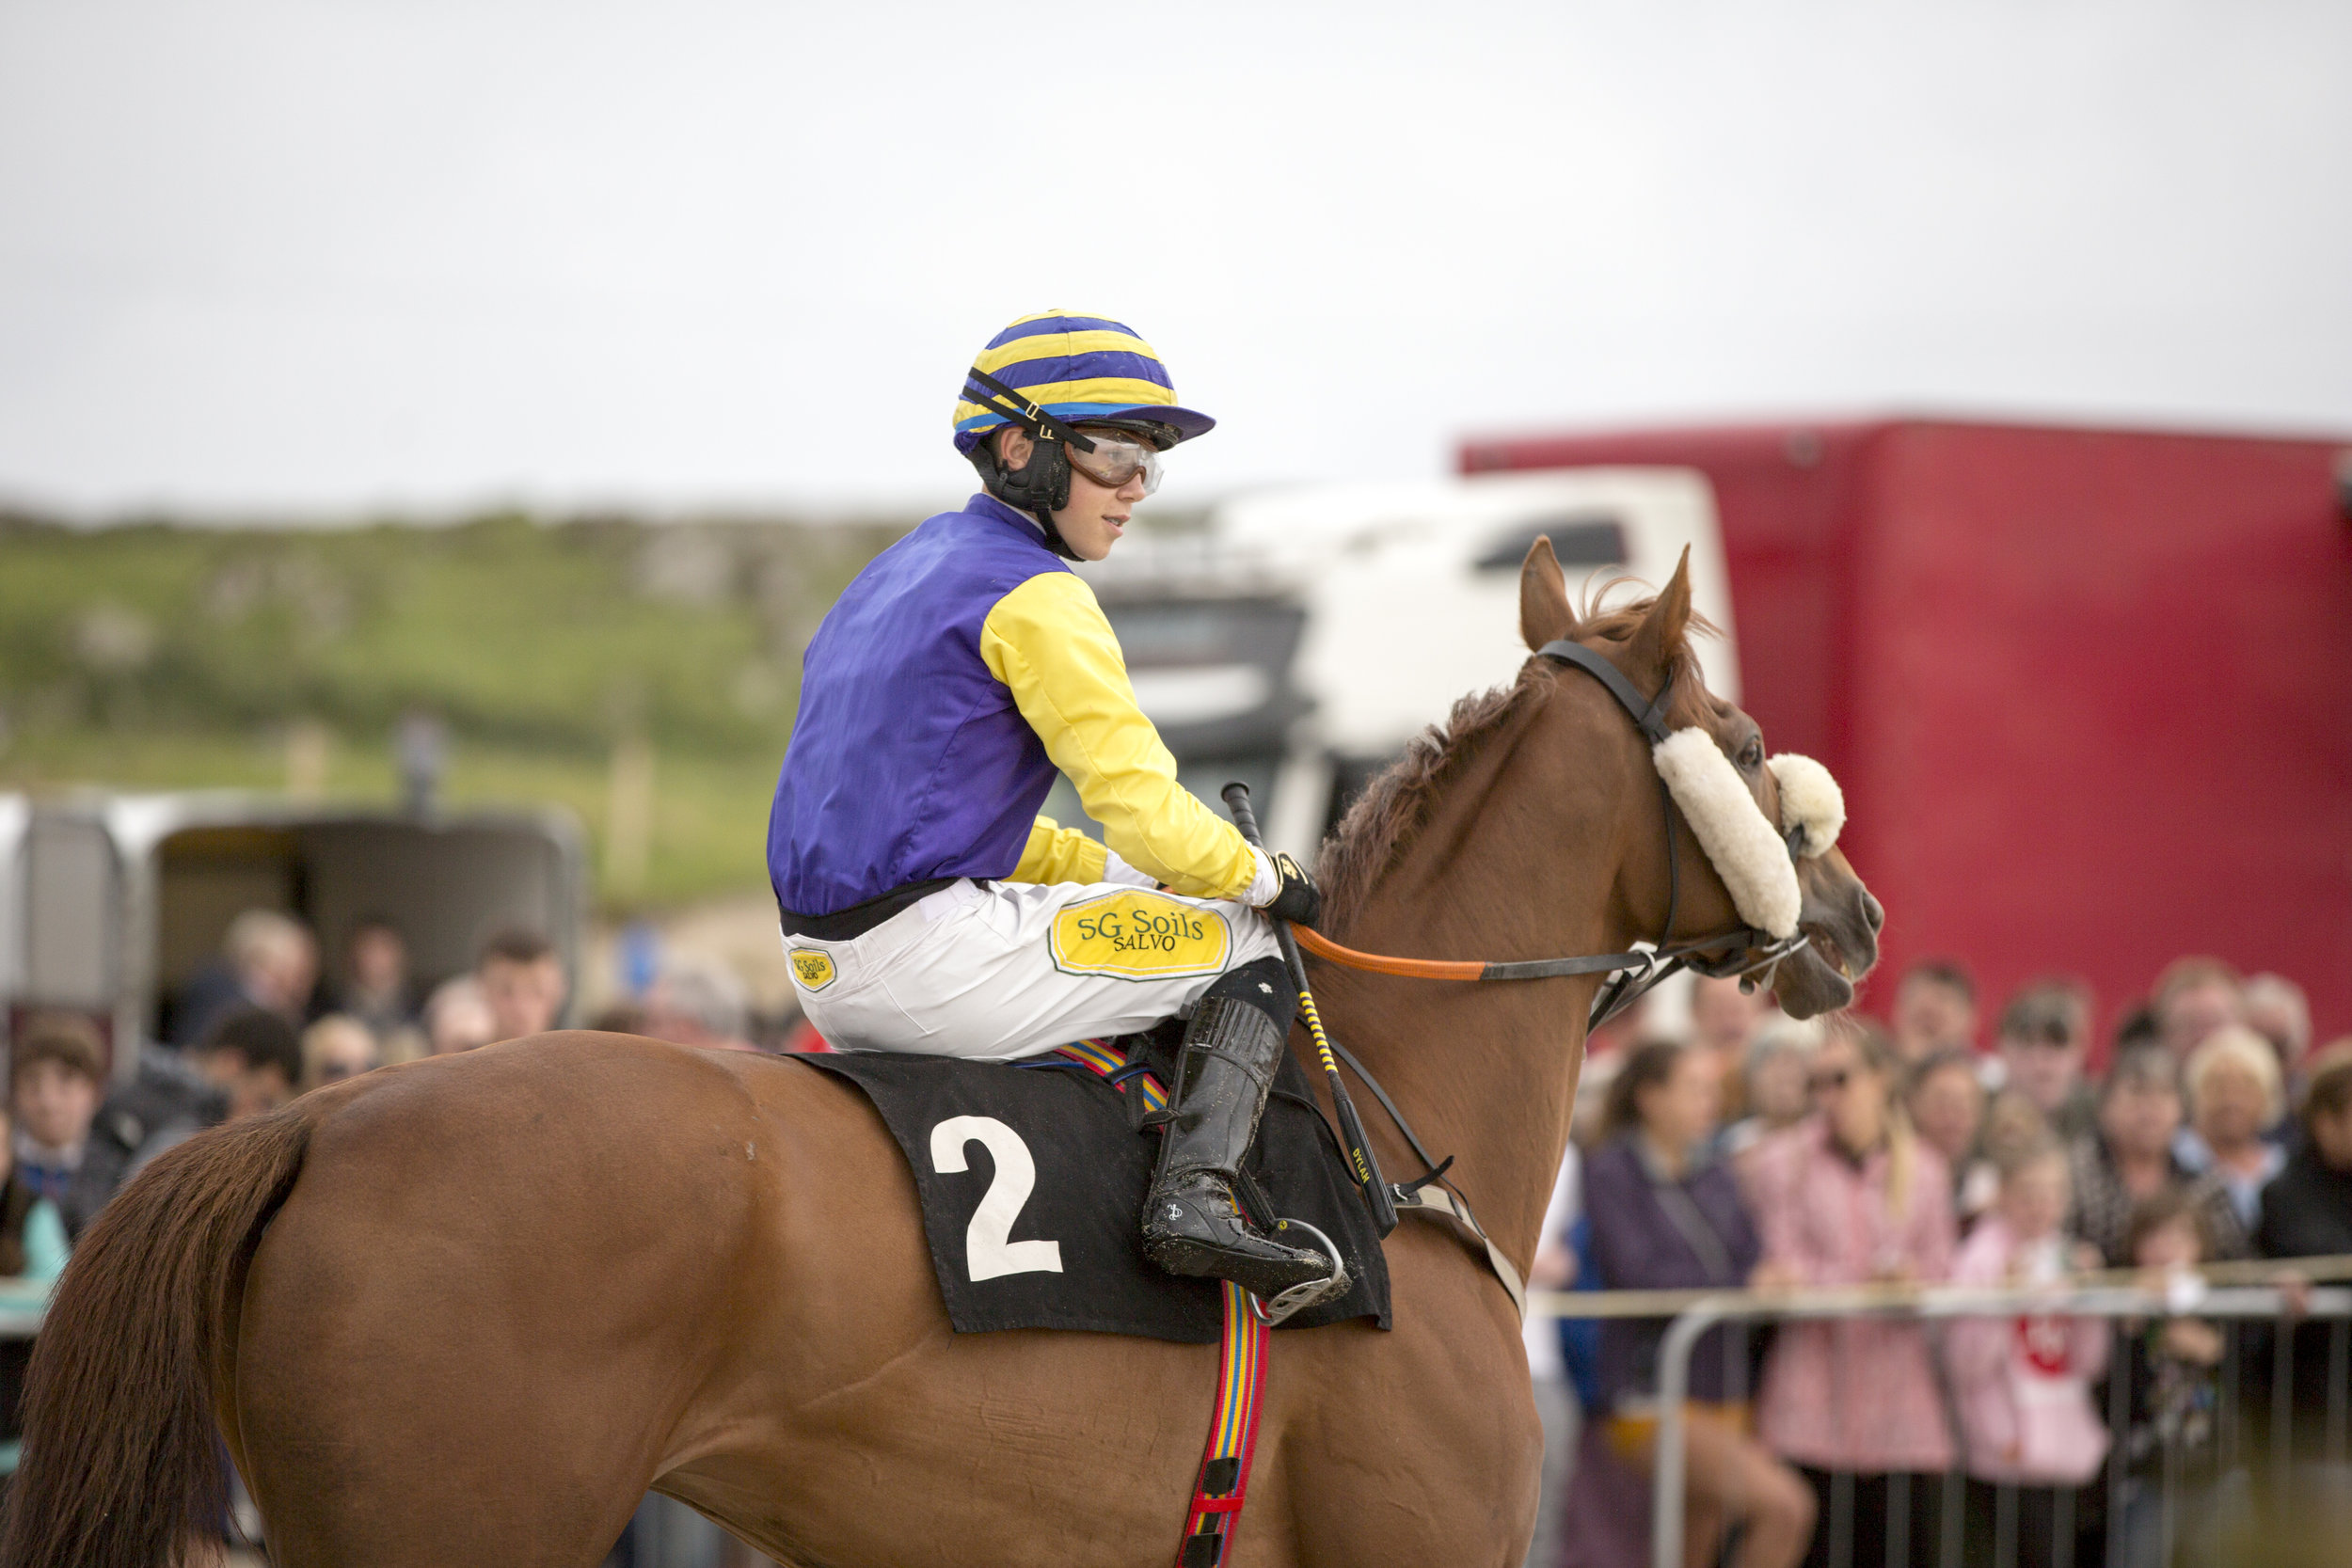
(1315,1292)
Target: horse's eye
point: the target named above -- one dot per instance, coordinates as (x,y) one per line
(1751,756)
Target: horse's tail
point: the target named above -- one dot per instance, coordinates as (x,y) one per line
(121,1467)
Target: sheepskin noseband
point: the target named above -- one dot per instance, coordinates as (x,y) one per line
(1757,863)
(1812,807)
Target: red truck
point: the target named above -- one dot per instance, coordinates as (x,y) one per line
(2089,691)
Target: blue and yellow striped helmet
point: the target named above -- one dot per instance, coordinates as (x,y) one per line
(1076,368)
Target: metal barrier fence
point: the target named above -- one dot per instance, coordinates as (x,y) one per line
(2118,1297)
(2262,1310)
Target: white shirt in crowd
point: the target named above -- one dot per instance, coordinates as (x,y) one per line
(1540,1332)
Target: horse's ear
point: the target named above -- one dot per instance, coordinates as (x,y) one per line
(1543,614)
(1658,641)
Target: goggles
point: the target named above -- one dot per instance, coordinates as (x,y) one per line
(1116,459)
(1109,457)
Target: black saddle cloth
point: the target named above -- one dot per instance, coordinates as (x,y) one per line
(1032,1178)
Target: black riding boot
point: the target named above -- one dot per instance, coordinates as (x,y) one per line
(1192,1224)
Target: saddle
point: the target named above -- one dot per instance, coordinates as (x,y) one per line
(1031,1177)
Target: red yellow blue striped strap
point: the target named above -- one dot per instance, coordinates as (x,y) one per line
(1106,1060)
(1223,1482)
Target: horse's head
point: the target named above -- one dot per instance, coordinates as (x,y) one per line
(1693,886)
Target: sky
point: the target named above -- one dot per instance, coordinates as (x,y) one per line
(328,258)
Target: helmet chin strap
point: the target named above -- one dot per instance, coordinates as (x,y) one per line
(1043,488)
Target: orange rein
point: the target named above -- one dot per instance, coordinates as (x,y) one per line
(1378,964)
(1470,969)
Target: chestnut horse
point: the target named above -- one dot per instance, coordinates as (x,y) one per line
(465,1311)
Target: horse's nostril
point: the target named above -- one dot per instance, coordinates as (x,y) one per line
(1873,911)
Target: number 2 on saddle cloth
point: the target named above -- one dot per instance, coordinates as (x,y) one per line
(1223,1482)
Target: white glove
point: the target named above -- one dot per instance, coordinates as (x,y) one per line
(1266,885)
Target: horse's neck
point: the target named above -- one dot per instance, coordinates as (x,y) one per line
(1485,1072)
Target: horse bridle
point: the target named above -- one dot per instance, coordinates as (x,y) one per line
(1740,952)
(1762,952)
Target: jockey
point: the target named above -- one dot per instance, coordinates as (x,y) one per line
(926,906)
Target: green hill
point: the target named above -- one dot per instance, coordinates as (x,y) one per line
(154,656)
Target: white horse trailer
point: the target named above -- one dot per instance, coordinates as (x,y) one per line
(1304,636)
(110,903)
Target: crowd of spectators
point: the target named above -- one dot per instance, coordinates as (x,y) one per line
(249,1032)
(259,1025)
(263,1022)
(1752,1149)
(1758,1151)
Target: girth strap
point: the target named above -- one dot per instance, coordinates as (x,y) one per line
(1222,1485)
(1432,1194)
(1437,1199)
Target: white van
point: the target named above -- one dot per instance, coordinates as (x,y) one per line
(1301,636)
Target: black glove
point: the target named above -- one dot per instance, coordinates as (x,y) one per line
(1299,899)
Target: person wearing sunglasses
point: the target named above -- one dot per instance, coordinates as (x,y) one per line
(2043,1034)
(1856,1196)
(926,906)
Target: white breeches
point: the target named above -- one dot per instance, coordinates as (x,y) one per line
(1010,969)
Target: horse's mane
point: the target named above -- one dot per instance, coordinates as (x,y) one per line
(1397,805)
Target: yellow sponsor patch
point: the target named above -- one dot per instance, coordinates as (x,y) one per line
(812,968)
(1139,936)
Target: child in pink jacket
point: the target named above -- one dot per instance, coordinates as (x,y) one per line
(2023,1381)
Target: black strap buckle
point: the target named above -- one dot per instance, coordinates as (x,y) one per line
(1403,1191)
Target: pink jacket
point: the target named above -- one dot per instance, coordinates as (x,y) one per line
(2024,1383)
(1851,1394)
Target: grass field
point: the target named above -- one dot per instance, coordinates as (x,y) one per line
(709,818)
(162,657)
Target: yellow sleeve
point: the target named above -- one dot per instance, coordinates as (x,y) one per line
(1048,641)
(1058,854)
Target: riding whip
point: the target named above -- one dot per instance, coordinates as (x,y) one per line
(1361,1163)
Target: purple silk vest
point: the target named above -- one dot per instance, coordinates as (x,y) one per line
(910,761)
